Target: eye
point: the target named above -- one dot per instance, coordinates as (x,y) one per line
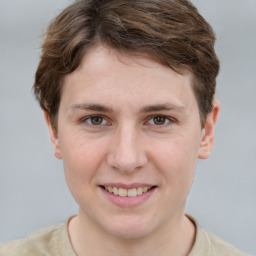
(159,120)
(96,120)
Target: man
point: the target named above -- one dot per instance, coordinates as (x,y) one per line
(127,89)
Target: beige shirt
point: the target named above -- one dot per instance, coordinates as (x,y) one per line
(54,241)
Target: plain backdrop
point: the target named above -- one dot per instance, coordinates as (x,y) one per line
(33,192)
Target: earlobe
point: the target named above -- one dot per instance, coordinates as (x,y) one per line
(207,139)
(53,136)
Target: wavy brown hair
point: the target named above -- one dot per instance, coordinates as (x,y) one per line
(172,32)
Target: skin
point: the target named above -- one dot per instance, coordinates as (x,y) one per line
(147,131)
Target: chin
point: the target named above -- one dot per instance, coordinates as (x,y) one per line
(129,229)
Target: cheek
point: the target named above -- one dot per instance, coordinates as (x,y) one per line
(175,153)
(82,157)
(176,160)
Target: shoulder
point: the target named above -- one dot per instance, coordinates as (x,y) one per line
(220,247)
(42,242)
(208,244)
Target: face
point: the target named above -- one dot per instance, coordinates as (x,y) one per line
(129,135)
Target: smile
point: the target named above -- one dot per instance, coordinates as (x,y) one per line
(122,192)
(131,195)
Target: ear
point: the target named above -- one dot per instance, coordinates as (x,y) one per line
(207,140)
(53,136)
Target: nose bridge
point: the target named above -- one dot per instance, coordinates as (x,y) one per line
(127,152)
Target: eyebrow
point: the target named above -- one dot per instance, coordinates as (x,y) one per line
(92,107)
(146,109)
(163,107)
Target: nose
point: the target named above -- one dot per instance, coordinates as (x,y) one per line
(127,152)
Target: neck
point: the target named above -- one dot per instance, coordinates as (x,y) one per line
(174,237)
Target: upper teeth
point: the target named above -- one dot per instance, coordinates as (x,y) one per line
(127,192)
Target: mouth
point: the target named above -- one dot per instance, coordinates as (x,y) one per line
(130,192)
(132,195)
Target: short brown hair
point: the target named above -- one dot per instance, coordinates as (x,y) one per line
(170,31)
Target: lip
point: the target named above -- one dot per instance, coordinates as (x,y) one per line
(128,202)
(127,186)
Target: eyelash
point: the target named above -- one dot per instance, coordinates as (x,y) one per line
(88,120)
(167,121)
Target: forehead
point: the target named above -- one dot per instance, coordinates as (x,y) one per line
(109,76)
(99,56)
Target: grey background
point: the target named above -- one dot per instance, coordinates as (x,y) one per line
(33,193)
